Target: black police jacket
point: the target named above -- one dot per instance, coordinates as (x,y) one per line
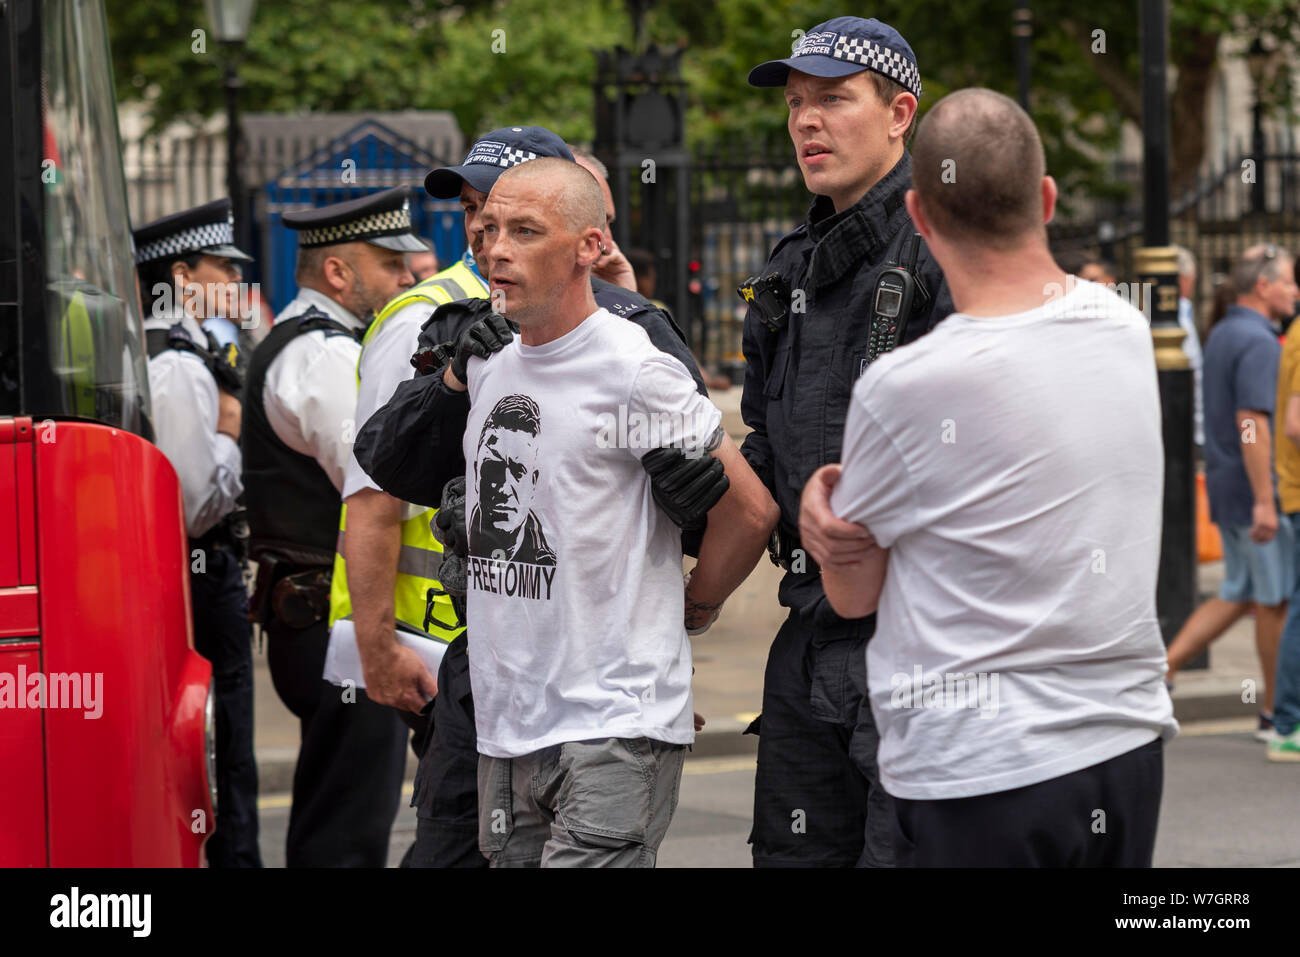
(798,381)
(411,446)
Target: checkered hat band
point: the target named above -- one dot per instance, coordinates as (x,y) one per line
(186,241)
(389,223)
(883,60)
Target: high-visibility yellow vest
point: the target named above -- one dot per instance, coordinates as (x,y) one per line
(421,554)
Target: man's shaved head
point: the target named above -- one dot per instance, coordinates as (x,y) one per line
(978,167)
(574,191)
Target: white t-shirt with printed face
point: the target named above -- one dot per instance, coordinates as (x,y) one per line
(1014,467)
(575,597)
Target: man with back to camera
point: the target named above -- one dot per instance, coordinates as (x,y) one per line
(580,661)
(1017,670)
(851,89)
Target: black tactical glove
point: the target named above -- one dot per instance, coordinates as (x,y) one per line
(489,333)
(448,527)
(449,523)
(686,487)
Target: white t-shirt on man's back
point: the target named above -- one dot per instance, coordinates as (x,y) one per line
(1014,467)
(575,598)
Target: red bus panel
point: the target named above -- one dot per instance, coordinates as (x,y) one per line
(124,725)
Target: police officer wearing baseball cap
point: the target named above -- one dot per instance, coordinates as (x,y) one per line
(188,267)
(299,417)
(825,305)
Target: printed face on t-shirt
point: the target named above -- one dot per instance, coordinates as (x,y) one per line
(507,475)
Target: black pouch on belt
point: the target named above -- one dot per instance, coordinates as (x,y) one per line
(303,598)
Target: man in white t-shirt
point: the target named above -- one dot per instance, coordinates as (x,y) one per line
(580,664)
(998,507)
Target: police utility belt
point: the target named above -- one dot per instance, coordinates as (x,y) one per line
(292,592)
(787,552)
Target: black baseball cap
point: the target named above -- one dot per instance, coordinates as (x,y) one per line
(492,155)
(842,46)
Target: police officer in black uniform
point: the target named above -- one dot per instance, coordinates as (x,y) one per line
(188,267)
(849,283)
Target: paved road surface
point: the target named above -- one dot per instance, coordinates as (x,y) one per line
(1224,806)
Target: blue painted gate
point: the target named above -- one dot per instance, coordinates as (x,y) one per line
(368,158)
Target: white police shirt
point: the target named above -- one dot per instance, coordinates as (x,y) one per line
(1014,468)
(385,364)
(185,408)
(310,390)
(575,573)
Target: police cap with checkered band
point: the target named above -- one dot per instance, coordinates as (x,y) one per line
(843,46)
(493,154)
(382,219)
(207,229)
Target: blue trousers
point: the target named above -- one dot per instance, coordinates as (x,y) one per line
(1286,696)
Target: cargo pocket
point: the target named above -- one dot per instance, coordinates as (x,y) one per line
(774,382)
(830,686)
(496,818)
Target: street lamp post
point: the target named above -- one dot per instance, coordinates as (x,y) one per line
(230,21)
(1157,272)
(1257,57)
(1023,30)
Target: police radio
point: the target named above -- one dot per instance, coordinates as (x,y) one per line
(897,295)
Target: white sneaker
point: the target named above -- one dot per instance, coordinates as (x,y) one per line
(1265,733)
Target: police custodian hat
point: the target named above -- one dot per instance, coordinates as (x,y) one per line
(842,46)
(207,229)
(493,154)
(382,219)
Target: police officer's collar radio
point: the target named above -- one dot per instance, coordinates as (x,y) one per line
(897,297)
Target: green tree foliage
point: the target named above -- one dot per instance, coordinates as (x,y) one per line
(507,61)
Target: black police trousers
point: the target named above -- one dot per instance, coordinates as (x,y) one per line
(1101,816)
(348,781)
(446,783)
(223,635)
(817,795)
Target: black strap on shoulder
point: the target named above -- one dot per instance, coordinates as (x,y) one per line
(316,319)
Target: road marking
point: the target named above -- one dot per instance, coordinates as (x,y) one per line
(271,801)
(1195,729)
(1189,729)
(719,765)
